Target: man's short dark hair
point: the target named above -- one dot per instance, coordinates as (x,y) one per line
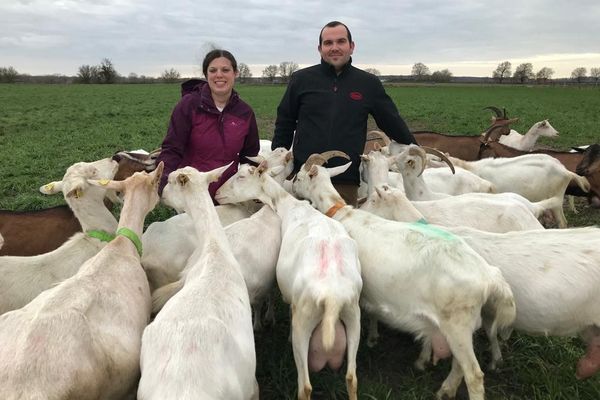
(333,24)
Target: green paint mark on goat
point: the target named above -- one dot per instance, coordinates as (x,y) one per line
(429,230)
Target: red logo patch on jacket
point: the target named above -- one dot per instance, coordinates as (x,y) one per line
(356,95)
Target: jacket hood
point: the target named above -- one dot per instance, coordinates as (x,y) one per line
(192,85)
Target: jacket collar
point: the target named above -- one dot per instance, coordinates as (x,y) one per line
(329,68)
(201,89)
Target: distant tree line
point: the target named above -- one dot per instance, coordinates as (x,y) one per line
(106,73)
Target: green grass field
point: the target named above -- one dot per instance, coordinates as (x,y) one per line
(46,128)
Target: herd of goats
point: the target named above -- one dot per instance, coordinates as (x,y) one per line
(92,307)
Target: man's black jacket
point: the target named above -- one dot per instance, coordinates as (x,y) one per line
(329,112)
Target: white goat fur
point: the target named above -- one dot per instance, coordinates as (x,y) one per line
(318,271)
(533,176)
(201,344)
(414,287)
(170,243)
(257,263)
(377,167)
(23,278)
(554,275)
(81,338)
(486,212)
(527,141)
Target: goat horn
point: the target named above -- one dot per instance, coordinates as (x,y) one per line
(314,159)
(320,159)
(490,136)
(495,110)
(334,153)
(440,155)
(418,151)
(379,136)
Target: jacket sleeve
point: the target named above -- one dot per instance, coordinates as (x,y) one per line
(251,142)
(388,118)
(176,140)
(287,117)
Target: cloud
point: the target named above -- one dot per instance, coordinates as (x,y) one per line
(41,36)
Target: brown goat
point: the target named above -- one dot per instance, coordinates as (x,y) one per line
(29,233)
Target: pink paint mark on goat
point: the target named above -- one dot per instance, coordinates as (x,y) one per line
(337,256)
(323,259)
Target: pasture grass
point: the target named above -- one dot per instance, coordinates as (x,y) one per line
(46,128)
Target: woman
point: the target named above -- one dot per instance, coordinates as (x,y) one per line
(210,126)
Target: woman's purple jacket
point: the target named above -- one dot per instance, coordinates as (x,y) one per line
(205,138)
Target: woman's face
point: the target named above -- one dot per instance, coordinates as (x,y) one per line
(220,76)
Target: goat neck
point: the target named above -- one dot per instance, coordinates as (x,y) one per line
(136,205)
(92,214)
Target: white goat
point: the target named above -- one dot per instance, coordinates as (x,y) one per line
(201,344)
(487,214)
(23,278)
(179,240)
(376,167)
(527,141)
(318,273)
(533,176)
(81,338)
(554,275)
(170,243)
(414,287)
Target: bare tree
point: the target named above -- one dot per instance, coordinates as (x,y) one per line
(579,74)
(441,76)
(286,69)
(270,72)
(524,72)
(544,74)
(502,71)
(107,72)
(595,74)
(8,75)
(420,71)
(170,75)
(244,72)
(373,71)
(88,74)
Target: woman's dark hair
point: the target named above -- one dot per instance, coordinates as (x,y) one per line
(213,54)
(333,24)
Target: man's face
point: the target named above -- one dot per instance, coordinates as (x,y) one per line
(335,48)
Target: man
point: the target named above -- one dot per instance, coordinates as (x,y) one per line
(327,106)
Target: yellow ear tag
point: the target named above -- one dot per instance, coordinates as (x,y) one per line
(48,187)
(103,182)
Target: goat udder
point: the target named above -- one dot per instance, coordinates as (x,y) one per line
(318,357)
(440,348)
(590,363)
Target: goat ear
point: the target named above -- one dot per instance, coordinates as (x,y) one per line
(377,147)
(288,156)
(76,192)
(335,171)
(364,157)
(257,159)
(108,184)
(52,187)
(314,171)
(158,171)
(216,173)
(182,179)
(262,167)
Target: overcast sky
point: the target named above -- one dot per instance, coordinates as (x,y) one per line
(468,37)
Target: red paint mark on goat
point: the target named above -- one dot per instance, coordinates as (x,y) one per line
(323,259)
(337,256)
